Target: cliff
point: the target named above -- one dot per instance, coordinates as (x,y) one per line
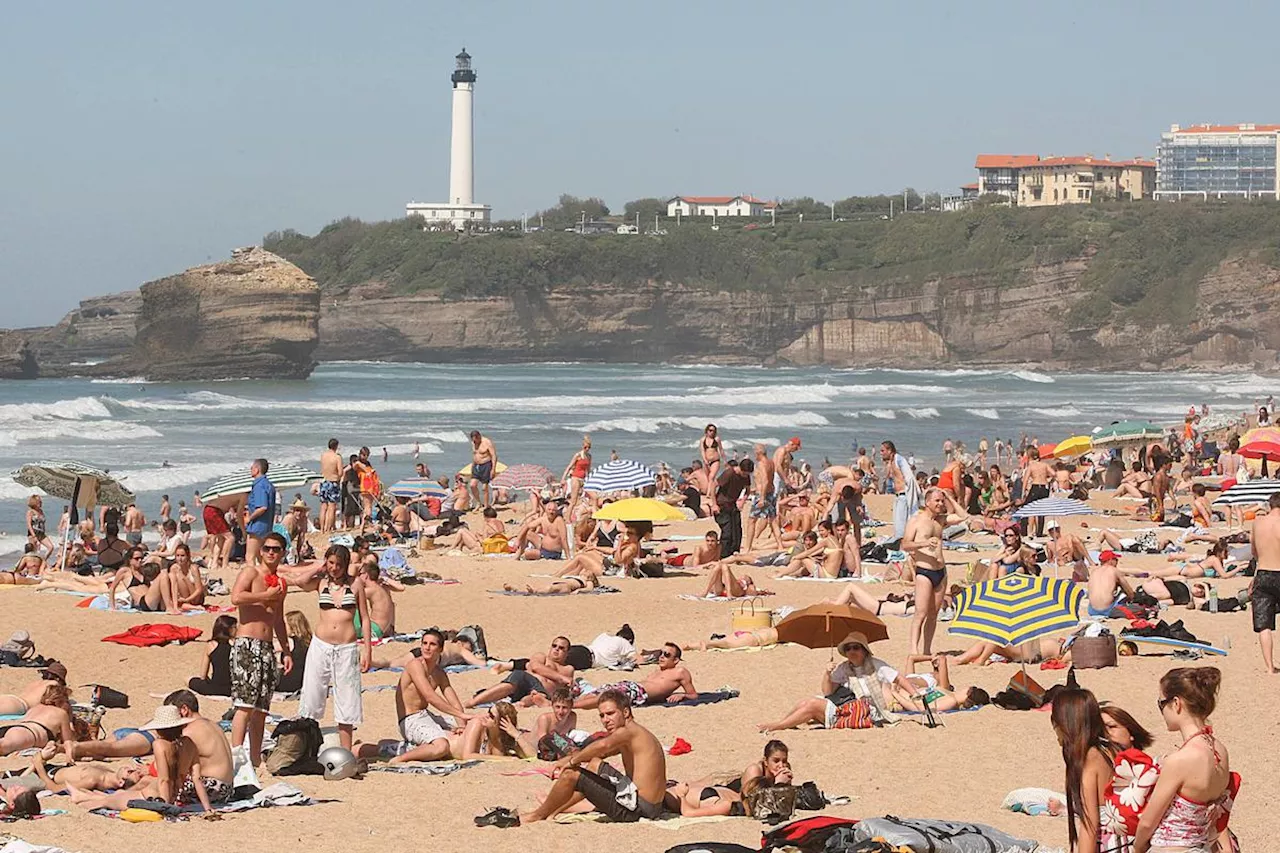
(253,316)
(17,358)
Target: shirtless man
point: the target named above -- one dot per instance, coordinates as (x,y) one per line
(530,682)
(93,776)
(1108,586)
(551,535)
(782,464)
(764,504)
(1035,479)
(1065,549)
(426,704)
(259,593)
(1264,591)
(133,524)
(484,464)
(866,468)
(1161,485)
(705,552)
(17,704)
(923,543)
(659,687)
(330,486)
(583,779)
(382,607)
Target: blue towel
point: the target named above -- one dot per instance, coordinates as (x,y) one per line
(709,698)
(392,558)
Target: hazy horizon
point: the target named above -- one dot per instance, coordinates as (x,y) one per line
(145,138)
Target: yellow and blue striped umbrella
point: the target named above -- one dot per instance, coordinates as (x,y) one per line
(1017,609)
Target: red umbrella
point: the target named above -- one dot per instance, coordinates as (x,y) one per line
(1046,450)
(1261,443)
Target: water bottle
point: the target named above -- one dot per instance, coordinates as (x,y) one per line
(1213,599)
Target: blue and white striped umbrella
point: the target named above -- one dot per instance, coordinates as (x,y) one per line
(414,487)
(1054,506)
(1249,492)
(621,476)
(282,476)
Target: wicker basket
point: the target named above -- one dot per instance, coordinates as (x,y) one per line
(748,617)
(1094,652)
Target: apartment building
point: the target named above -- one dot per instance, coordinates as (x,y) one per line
(1218,161)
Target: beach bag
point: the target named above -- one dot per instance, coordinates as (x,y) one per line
(1029,687)
(298,744)
(747,617)
(554,746)
(1094,652)
(108,698)
(808,834)
(87,721)
(809,798)
(854,714)
(771,803)
(495,544)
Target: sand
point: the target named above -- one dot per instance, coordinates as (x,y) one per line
(960,771)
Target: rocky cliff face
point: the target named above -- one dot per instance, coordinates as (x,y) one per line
(252,316)
(17,358)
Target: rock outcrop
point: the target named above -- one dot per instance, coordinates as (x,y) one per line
(253,316)
(17,358)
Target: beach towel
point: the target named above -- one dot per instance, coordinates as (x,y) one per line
(724,694)
(158,634)
(392,558)
(424,768)
(667,821)
(1033,801)
(600,590)
(688,596)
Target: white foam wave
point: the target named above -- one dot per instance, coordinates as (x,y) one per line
(159,479)
(1031,376)
(989,414)
(11,491)
(1060,412)
(922,414)
(882,414)
(1248,386)
(729,422)
(80,430)
(78,408)
(122,380)
(451,436)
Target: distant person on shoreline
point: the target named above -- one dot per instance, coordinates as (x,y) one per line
(484,464)
(330,486)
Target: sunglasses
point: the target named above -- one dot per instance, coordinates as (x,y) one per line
(560,648)
(272,549)
(1161,703)
(666,654)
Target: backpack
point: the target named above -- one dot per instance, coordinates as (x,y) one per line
(298,744)
(809,834)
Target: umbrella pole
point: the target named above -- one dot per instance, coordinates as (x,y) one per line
(66,534)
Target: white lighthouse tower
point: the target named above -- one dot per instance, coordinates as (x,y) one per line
(460,211)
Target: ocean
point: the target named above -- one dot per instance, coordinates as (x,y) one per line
(176,438)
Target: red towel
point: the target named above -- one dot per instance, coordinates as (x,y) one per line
(160,634)
(680,747)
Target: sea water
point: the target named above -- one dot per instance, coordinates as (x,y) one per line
(177,438)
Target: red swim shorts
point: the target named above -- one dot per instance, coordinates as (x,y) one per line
(215,521)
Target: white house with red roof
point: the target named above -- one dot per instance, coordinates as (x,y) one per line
(719,205)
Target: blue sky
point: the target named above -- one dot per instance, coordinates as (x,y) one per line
(140,138)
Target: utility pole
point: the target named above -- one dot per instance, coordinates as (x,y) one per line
(833,211)
(890,210)
(655,222)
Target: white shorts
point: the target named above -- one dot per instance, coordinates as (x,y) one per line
(336,667)
(425,726)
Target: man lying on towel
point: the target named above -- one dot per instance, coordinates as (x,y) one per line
(659,687)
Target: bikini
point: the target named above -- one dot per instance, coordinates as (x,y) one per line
(1187,823)
(581,465)
(347,602)
(27,724)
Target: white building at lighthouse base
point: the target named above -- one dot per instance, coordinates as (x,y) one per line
(459,216)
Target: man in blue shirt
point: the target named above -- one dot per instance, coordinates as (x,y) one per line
(261,510)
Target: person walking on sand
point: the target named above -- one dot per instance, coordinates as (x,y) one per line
(330,486)
(576,472)
(260,510)
(484,464)
(763,514)
(1264,591)
(923,543)
(259,593)
(899,481)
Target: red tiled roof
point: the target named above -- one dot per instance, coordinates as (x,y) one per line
(1229,128)
(1006,161)
(721,199)
(968,186)
(1090,161)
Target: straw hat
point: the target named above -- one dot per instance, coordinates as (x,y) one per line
(300,504)
(166,717)
(855,638)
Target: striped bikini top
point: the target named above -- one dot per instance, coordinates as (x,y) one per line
(326,598)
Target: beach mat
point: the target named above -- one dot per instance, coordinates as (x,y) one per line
(425,768)
(688,596)
(1177,644)
(600,590)
(709,698)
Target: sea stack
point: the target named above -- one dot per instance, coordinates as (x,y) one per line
(17,358)
(256,316)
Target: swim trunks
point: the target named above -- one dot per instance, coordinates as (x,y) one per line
(1179,592)
(121,734)
(524,684)
(330,492)
(215,522)
(333,668)
(482,472)
(375,630)
(133,537)
(217,791)
(425,726)
(765,506)
(631,690)
(937,577)
(550,555)
(1265,599)
(614,795)
(253,673)
(1106,611)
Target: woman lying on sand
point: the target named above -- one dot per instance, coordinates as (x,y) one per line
(48,722)
(713,796)
(1035,651)
(25,573)
(722,584)
(585,579)
(893,604)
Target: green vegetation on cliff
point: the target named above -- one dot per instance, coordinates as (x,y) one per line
(1146,258)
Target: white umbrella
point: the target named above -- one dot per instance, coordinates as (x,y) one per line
(1251,492)
(282,476)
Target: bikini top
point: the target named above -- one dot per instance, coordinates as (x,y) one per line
(326,598)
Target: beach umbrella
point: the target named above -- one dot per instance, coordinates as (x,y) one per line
(620,476)
(1251,492)
(73,481)
(523,476)
(416,487)
(281,475)
(1074,446)
(822,626)
(1045,451)
(1261,443)
(1127,432)
(1046,507)
(638,509)
(1017,609)
(465,471)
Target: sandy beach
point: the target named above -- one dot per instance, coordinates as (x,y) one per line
(960,771)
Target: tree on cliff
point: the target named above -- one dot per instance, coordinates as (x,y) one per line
(569,211)
(647,208)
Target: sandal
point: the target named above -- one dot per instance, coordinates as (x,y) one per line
(500,817)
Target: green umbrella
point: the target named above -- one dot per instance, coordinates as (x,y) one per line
(1126,432)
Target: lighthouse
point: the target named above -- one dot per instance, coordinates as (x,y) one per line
(460,211)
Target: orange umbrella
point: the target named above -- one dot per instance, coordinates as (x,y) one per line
(822,626)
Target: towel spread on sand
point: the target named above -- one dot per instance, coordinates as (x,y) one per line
(425,768)
(664,822)
(600,590)
(688,596)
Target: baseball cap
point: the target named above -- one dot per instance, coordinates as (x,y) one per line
(796,441)
(1108,556)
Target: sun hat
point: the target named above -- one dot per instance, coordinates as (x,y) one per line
(166,717)
(1052,525)
(299,504)
(55,669)
(855,638)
